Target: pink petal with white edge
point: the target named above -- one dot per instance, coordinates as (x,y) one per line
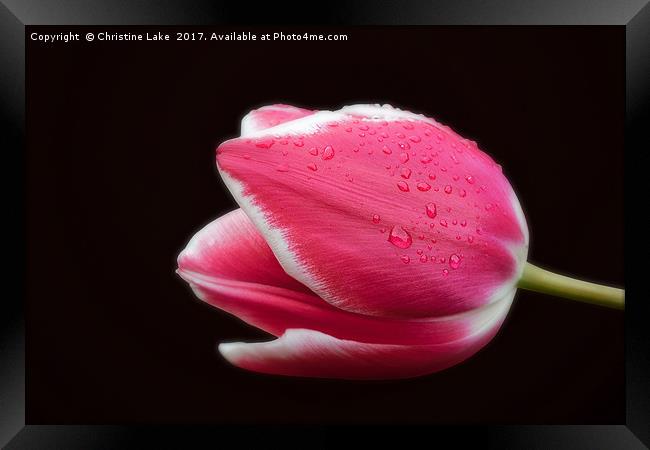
(230,266)
(309,353)
(381,211)
(270,116)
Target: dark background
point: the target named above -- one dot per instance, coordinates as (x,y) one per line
(120,174)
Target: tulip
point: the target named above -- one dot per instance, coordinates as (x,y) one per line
(372,242)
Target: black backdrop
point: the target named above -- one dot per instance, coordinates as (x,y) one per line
(120,173)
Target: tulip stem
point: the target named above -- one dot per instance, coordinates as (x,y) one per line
(540,280)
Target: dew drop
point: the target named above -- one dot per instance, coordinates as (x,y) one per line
(470,179)
(419,251)
(445,272)
(298,143)
(247,156)
(443,223)
(405,259)
(399,237)
(463,223)
(423,187)
(462,193)
(313,151)
(405,173)
(328,153)
(264,143)
(404,157)
(431,210)
(424,258)
(415,138)
(312,166)
(454,261)
(403,186)
(386,150)
(432,176)
(282,168)
(425,160)
(376,218)
(448,189)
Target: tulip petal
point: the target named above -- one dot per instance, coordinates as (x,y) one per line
(270,116)
(309,353)
(230,266)
(232,248)
(380,211)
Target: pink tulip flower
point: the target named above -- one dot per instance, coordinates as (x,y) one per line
(372,242)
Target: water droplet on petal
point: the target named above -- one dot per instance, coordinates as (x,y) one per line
(454,261)
(424,258)
(312,166)
(298,143)
(282,168)
(328,153)
(264,143)
(431,210)
(432,176)
(399,237)
(470,179)
(403,157)
(445,272)
(443,222)
(313,151)
(447,189)
(376,218)
(403,186)
(415,138)
(405,259)
(386,150)
(405,173)
(462,193)
(423,187)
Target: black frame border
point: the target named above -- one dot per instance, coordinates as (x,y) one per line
(634,15)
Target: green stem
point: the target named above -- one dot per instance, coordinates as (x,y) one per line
(537,279)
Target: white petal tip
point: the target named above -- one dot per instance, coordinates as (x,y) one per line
(230,350)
